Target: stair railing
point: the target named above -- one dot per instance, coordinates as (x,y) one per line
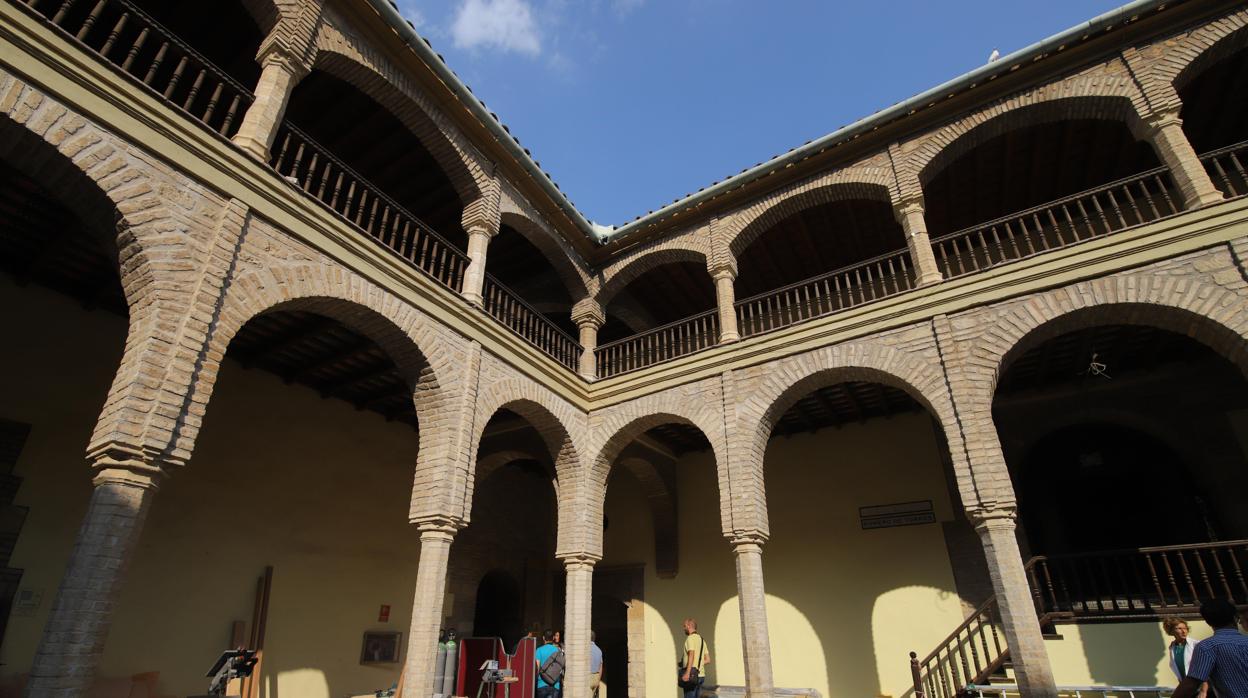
(1139,583)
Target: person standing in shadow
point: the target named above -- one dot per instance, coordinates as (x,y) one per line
(1222,660)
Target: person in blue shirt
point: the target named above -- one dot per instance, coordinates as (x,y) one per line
(546,651)
(1222,660)
(595,664)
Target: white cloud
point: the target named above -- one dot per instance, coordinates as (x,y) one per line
(624,7)
(505,25)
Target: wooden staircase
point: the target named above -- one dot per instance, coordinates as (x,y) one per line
(1143,584)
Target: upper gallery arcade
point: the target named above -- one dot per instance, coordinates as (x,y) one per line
(305,303)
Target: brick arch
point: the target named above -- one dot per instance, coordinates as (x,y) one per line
(617,427)
(1200,49)
(491,462)
(791,379)
(855,183)
(620,273)
(552,248)
(1204,312)
(357,62)
(1101,94)
(555,422)
(661,499)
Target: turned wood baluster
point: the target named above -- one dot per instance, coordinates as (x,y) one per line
(135,48)
(90,20)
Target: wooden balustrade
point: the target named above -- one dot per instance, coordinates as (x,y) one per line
(308,165)
(825,294)
(131,40)
(1126,203)
(505,306)
(1147,582)
(1143,583)
(658,345)
(1226,168)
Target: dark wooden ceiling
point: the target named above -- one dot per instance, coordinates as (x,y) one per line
(815,241)
(1031,166)
(1215,104)
(523,268)
(1124,350)
(374,143)
(667,293)
(42,242)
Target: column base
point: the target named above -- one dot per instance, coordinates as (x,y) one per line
(257,149)
(929,279)
(729,338)
(1204,199)
(475,299)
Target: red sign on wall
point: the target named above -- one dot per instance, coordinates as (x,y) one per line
(383,616)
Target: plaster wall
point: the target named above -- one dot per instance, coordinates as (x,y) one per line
(279,477)
(1120,654)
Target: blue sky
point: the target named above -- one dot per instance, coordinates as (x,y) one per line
(630,104)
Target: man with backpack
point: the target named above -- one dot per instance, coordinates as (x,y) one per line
(697,655)
(550,662)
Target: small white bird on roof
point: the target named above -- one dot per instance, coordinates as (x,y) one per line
(994,55)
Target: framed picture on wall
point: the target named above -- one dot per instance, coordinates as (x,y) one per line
(380,647)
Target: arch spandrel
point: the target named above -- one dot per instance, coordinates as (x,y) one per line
(341,53)
(1169,63)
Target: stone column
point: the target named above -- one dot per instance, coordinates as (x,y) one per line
(755,638)
(280,71)
(909,214)
(589,318)
(577,623)
(726,299)
(73,640)
(1172,146)
(1014,601)
(422,642)
(474,275)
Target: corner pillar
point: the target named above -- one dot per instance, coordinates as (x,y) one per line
(577,623)
(72,645)
(422,644)
(1014,602)
(1165,130)
(589,318)
(747,548)
(726,300)
(279,73)
(909,214)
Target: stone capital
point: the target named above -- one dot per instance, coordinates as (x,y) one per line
(121,464)
(580,561)
(1001,518)
(1164,119)
(724,269)
(437,527)
(747,541)
(478,228)
(588,311)
(907,206)
(276,52)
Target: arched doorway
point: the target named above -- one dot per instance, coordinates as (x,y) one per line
(498,608)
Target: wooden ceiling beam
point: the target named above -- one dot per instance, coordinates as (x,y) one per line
(359,345)
(315,326)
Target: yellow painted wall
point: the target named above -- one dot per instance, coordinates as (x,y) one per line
(845,605)
(1120,654)
(279,477)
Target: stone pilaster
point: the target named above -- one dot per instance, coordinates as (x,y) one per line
(747,548)
(589,318)
(1032,670)
(909,213)
(280,72)
(481,219)
(73,640)
(577,622)
(422,643)
(1165,130)
(725,298)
